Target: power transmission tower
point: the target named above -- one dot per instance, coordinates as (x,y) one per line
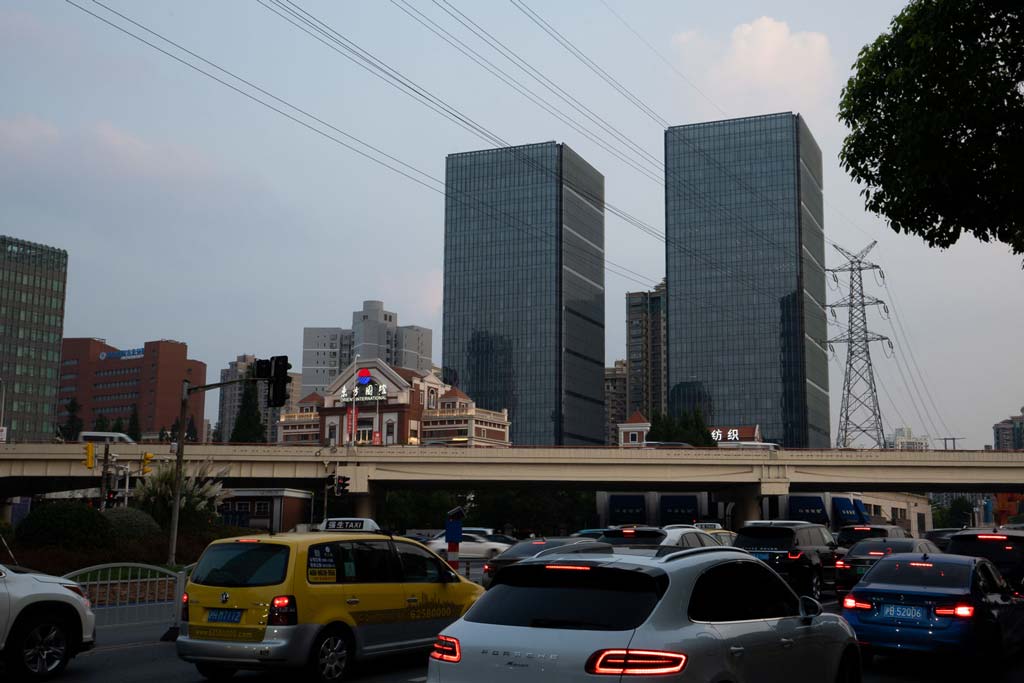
(859,415)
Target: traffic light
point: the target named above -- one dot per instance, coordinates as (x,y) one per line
(342,485)
(145,468)
(332,483)
(90,455)
(111,498)
(277,388)
(262,370)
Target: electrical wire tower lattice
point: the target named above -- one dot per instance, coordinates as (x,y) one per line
(859,415)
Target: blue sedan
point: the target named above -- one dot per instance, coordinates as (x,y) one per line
(935,603)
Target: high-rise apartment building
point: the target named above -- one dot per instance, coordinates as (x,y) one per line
(524,289)
(615,389)
(231,399)
(32,283)
(1008,434)
(645,352)
(110,382)
(375,333)
(745,276)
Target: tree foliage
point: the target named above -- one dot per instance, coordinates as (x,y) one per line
(958,514)
(201,493)
(688,428)
(190,430)
(118,426)
(70,525)
(73,425)
(935,110)
(249,426)
(101,424)
(134,430)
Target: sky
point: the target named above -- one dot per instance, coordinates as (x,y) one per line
(190,212)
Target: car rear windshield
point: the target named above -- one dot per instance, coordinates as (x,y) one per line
(886,547)
(590,599)
(242,564)
(633,536)
(530,548)
(1002,550)
(932,573)
(764,538)
(848,537)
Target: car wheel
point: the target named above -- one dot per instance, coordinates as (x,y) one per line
(814,585)
(849,668)
(39,649)
(213,672)
(331,656)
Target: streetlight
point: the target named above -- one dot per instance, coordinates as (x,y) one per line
(3,404)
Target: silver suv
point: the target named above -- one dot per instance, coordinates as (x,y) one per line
(710,614)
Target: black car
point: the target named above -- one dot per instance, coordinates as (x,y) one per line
(802,553)
(524,549)
(1002,547)
(848,535)
(860,558)
(940,537)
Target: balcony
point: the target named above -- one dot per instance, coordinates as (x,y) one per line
(448,413)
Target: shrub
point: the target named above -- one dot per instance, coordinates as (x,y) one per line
(66,524)
(131,524)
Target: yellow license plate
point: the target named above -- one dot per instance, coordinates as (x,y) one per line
(240,635)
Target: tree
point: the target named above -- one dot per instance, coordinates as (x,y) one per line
(248,425)
(118,426)
(218,435)
(134,430)
(201,493)
(190,430)
(163,434)
(73,423)
(101,424)
(936,117)
(958,514)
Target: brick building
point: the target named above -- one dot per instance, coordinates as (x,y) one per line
(301,426)
(108,381)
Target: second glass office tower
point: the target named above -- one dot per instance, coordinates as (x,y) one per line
(745,257)
(524,289)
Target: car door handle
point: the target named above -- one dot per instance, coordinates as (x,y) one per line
(412,599)
(787,642)
(736,651)
(353,601)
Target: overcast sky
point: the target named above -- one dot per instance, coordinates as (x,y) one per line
(190,212)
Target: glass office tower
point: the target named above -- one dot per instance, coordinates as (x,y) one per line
(746,281)
(524,289)
(32,281)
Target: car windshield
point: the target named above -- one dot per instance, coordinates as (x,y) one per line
(242,564)
(549,596)
(932,573)
(1003,551)
(851,535)
(529,548)
(764,538)
(878,547)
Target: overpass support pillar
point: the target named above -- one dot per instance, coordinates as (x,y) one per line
(365,504)
(746,509)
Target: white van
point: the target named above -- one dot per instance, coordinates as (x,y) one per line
(105,437)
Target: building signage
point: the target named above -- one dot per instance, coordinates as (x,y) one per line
(730,434)
(365,392)
(125,354)
(3,434)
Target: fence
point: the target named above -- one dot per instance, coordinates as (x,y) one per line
(126,594)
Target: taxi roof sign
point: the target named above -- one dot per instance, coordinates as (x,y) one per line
(349,524)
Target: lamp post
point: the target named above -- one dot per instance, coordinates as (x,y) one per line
(3,405)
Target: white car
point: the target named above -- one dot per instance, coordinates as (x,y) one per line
(678,535)
(709,614)
(473,547)
(44,622)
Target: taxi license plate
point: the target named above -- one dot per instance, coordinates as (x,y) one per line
(903,612)
(224,616)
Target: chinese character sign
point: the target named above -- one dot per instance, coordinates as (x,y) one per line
(716,434)
(734,435)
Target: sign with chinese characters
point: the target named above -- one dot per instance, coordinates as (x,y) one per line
(725,434)
(364,392)
(125,354)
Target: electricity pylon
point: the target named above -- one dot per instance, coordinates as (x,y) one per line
(859,414)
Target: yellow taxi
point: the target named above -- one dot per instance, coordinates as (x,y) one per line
(315,601)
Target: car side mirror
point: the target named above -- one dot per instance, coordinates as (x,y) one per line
(451,576)
(809,608)
(833,545)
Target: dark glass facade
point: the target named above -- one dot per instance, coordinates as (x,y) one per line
(746,281)
(524,289)
(645,351)
(32,283)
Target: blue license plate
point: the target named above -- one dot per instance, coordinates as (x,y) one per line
(903,612)
(762,556)
(224,616)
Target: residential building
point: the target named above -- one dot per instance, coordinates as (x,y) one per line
(108,381)
(903,439)
(524,289)
(745,276)
(301,425)
(1008,434)
(402,406)
(32,291)
(375,333)
(615,388)
(632,433)
(646,352)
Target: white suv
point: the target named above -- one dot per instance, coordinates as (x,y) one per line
(710,614)
(44,622)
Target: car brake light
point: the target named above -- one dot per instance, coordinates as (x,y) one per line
(446,649)
(962,611)
(921,564)
(991,537)
(538,542)
(488,568)
(575,567)
(850,602)
(629,532)
(184,607)
(875,553)
(248,540)
(797,556)
(283,611)
(862,528)
(635,662)
(840,564)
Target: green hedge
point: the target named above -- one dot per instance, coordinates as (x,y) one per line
(131,524)
(69,525)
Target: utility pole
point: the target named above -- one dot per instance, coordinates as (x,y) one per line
(179,464)
(859,415)
(104,470)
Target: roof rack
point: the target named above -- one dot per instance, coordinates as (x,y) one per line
(577,548)
(690,552)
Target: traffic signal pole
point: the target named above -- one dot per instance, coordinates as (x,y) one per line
(179,464)
(104,472)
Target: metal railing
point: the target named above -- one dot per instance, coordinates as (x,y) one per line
(131,594)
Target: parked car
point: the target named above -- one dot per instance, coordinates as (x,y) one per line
(315,602)
(678,535)
(700,614)
(936,603)
(940,537)
(863,555)
(723,536)
(850,534)
(472,547)
(44,622)
(524,549)
(588,533)
(804,554)
(502,538)
(1002,547)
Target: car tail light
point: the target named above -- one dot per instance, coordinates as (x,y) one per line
(283,611)
(488,568)
(840,564)
(635,662)
(575,567)
(795,555)
(629,532)
(184,607)
(875,553)
(926,565)
(991,537)
(446,649)
(851,602)
(862,528)
(962,611)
